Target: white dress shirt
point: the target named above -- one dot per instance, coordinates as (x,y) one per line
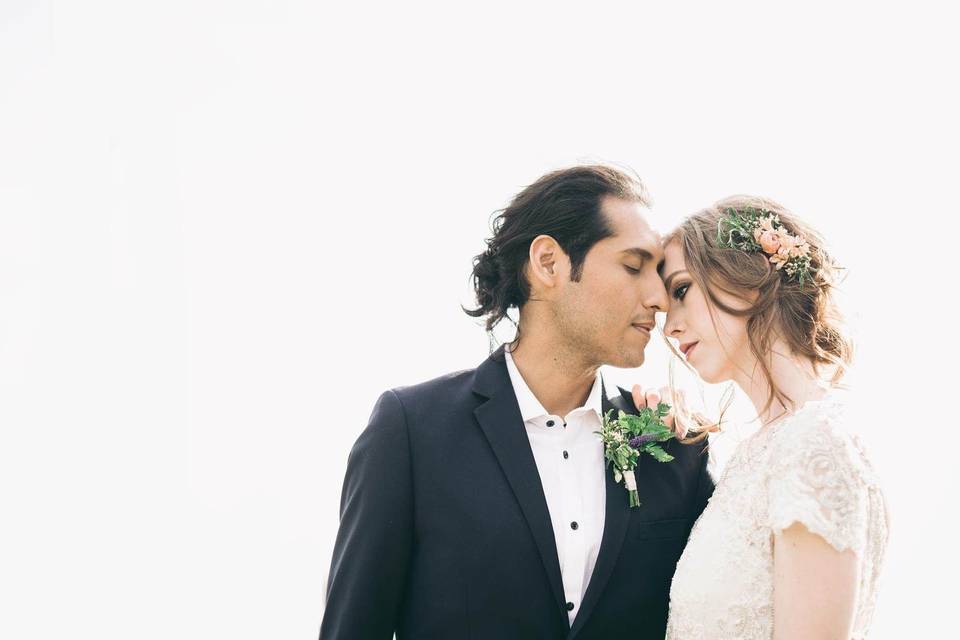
(569,457)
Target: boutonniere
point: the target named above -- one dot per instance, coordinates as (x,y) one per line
(629,436)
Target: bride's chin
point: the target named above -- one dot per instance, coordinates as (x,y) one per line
(704,377)
(715,378)
(708,375)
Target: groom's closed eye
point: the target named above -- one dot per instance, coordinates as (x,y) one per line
(642,255)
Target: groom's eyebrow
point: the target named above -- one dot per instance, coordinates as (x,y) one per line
(643,254)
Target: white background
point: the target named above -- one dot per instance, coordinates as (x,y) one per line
(226,227)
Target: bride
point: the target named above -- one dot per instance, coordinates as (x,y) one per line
(792,541)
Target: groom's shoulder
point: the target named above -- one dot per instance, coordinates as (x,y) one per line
(442,385)
(442,391)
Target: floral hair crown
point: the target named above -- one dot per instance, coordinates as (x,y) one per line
(758,230)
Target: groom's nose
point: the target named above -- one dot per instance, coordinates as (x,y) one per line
(655,295)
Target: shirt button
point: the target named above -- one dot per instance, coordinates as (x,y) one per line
(574,526)
(550,423)
(565,455)
(569,606)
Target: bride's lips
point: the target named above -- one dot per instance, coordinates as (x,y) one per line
(687,348)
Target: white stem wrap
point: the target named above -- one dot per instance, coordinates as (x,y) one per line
(630,480)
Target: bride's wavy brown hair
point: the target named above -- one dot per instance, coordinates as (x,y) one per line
(804,315)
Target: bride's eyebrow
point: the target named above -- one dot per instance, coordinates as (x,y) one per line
(669,279)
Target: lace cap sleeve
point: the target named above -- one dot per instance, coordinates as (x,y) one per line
(817,479)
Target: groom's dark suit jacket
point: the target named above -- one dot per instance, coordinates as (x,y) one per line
(445,534)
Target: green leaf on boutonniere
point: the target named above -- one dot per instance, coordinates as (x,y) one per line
(659,454)
(628,436)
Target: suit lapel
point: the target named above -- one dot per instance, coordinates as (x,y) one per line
(500,419)
(615,523)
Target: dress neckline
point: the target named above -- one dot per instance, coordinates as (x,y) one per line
(831,398)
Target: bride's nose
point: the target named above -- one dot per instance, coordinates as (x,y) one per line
(673,327)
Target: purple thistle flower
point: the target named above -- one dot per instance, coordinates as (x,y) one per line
(640,440)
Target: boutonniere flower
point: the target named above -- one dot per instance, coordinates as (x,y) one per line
(627,437)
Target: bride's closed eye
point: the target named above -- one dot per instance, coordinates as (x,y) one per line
(680,291)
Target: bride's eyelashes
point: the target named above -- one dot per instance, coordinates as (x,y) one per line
(680,291)
(631,270)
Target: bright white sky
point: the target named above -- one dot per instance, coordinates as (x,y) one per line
(227,227)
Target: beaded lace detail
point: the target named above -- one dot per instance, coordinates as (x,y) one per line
(805,469)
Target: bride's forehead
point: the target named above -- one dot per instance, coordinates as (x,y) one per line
(673,248)
(673,255)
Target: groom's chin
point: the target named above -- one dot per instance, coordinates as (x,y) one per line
(628,360)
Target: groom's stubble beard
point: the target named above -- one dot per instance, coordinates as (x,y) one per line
(590,334)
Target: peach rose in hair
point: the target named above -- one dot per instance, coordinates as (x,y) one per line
(770,241)
(787,242)
(802,249)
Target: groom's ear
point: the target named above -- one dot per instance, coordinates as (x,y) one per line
(548,264)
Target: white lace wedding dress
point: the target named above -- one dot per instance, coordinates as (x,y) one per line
(805,469)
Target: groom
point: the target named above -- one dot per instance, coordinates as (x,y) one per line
(477,506)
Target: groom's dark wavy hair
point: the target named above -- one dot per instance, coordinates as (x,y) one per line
(565,205)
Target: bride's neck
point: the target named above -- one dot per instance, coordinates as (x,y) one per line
(793,376)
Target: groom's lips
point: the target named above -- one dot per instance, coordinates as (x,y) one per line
(644,327)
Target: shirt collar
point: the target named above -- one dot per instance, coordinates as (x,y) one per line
(530,407)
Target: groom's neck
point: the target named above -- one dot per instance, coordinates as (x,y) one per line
(560,378)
